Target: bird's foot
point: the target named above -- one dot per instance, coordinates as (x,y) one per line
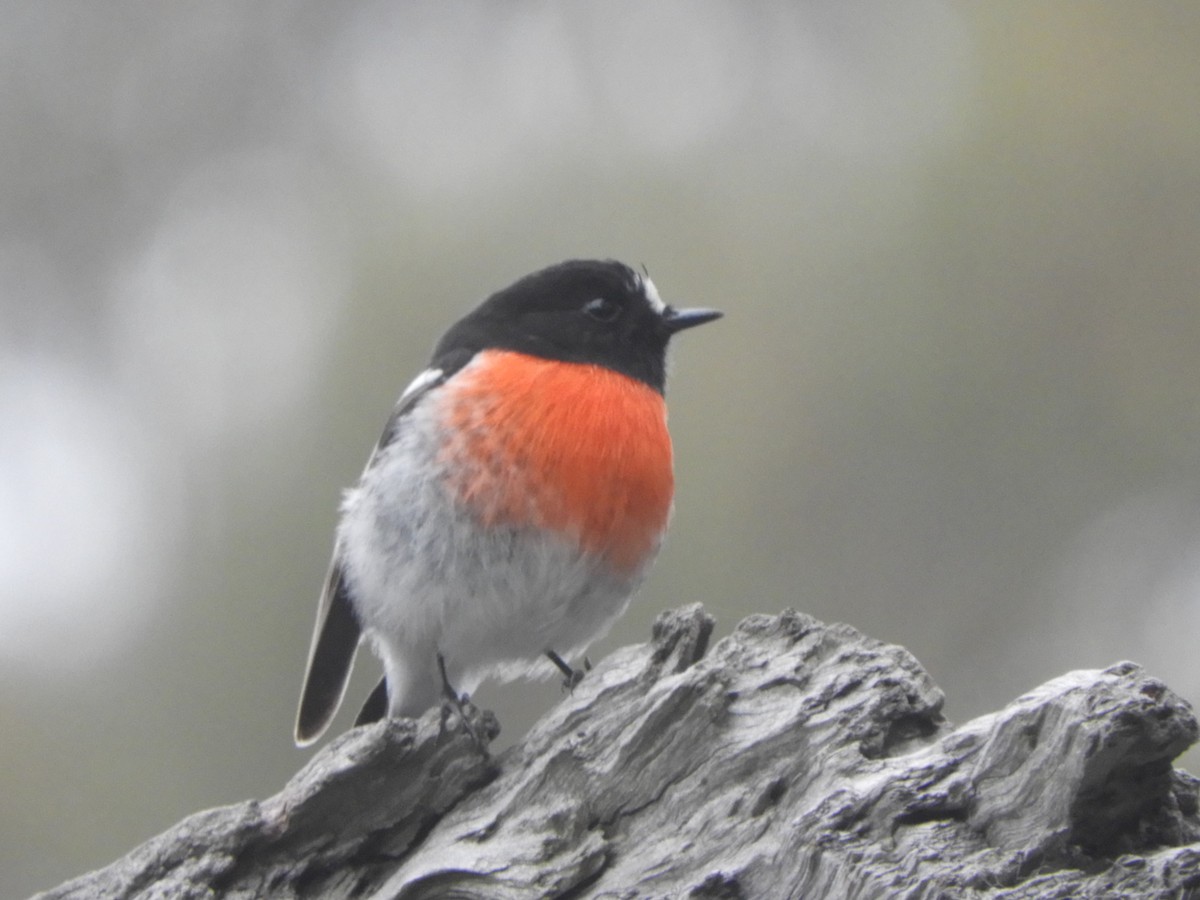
(571,676)
(479,725)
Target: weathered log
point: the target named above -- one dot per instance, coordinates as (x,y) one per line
(790,759)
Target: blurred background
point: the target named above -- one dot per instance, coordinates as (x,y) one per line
(955,401)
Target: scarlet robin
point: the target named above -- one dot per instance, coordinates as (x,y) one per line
(516,500)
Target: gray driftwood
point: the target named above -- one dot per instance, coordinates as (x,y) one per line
(790,759)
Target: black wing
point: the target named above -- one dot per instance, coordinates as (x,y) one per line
(335,642)
(338,631)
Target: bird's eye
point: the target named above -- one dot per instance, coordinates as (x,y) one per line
(602,309)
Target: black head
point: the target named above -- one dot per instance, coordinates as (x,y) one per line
(585,311)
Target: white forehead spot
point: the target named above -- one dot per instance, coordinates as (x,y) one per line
(651,293)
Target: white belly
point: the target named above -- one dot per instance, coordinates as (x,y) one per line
(426,578)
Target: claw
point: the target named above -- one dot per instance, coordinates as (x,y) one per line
(571,677)
(453,703)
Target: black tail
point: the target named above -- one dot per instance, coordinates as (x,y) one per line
(376,706)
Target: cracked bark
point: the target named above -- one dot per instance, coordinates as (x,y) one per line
(791,759)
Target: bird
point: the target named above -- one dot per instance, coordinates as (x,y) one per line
(515,502)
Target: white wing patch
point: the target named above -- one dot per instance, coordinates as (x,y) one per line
(420,383)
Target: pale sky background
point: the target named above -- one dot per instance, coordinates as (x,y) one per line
(955,400)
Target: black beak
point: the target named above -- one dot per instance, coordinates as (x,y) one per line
(675,320)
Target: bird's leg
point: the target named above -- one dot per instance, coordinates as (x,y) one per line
(571,677)
(447,688)
(454,702)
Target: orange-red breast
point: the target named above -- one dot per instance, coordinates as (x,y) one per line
(516,500)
